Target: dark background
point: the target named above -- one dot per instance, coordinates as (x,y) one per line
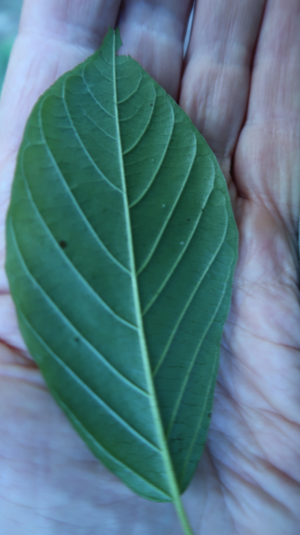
(9,21)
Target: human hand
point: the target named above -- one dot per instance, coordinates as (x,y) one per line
(240,86)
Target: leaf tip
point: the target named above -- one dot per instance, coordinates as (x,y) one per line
(109,38)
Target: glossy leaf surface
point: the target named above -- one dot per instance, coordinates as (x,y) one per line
(121,246)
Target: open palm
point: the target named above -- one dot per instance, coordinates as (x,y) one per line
(240,85)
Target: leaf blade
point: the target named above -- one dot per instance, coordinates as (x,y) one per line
(127,248)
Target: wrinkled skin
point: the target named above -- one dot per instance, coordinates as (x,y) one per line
(240,84)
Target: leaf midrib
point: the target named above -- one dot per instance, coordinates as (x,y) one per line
(174,490)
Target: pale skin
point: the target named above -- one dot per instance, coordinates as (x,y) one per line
(240,84)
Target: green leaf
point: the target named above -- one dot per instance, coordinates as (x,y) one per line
(121,246)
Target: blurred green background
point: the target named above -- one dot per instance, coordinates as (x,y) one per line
(9,21)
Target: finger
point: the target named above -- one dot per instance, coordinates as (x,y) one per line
(153,33)
(54,36)
(267,160)
(216,80)
(81,22)
(9,332)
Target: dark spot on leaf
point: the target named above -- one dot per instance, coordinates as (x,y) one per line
(151,104)
(77,339)
(209,415)
(63,244)
(188,219)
